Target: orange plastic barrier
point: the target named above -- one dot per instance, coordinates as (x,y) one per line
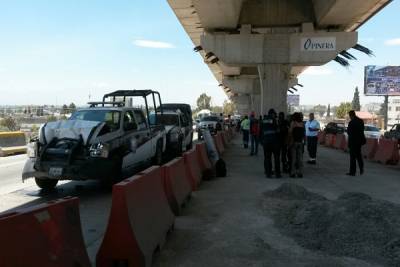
(176,184)
(224,138)
(218,143)
(139,221)
(341,142)
(202,157)
(387,152)
(192,167)
(369,149)
(45,235)
(321,138)
(330,140)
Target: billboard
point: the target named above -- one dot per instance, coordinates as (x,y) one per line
(293,100)
(382,80)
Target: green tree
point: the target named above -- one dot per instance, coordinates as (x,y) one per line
(72,108)
(355,104)
(9,123)
(51,118)
(203,102)
(64,109)
(229,107)
(320,110)
(343,109)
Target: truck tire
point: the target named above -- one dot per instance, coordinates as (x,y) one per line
(45,183)
(190,145)
(116,174)
(158,157)
(179,150)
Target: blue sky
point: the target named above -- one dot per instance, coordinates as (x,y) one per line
(56,52)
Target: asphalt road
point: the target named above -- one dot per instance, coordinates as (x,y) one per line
(95,200)
(10,174)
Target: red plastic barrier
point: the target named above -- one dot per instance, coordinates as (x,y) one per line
(192,168)
(224,138)
(202,157)
(139,221)
(321,138)
(45,235)
(341,142)
(176,184)
(218,143)
(330,140)
(387,152)
(369,149)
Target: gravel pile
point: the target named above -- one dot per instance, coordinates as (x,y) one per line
(354,225)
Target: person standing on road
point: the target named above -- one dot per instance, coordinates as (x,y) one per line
(312,129)
(270,141)
(254,134)
(296,144)
(245,126)
(283,139)
(355,132)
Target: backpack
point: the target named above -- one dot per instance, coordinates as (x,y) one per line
(255,128)
(220,168)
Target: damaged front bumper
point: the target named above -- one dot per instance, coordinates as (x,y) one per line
(88,169)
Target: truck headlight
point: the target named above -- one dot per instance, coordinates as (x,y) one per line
(99,150)
(31,149)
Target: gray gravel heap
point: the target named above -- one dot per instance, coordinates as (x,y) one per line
(353,225)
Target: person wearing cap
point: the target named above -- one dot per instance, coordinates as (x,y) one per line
(254,134)
(312,129)
(270,141)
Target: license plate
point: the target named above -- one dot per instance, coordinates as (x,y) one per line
(55,172)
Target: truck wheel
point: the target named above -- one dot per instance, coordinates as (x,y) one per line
(190,145)
(45,183)
(158,158)
(116,174)
(179,149)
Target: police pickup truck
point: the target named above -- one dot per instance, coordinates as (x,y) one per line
(106,142)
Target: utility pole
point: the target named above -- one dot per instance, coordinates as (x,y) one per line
(386,105)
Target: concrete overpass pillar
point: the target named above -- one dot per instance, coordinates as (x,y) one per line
(243,104)
(273,87)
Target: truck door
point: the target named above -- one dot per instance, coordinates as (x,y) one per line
(135,139)
(145,130)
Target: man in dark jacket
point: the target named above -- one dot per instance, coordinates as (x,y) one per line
(355,131)
(270,141)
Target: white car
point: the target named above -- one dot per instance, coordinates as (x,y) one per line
(371,131)
(212,123)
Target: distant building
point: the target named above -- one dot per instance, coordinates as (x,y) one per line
(393,111)
(372,107)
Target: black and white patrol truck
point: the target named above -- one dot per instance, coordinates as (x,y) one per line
(106,141)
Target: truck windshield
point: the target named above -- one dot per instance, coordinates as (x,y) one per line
(165,119)
(210,118)
(110,117)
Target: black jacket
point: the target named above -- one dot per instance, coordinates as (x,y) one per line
(269,130)
(355,131)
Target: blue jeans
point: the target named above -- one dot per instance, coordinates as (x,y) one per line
(253,144)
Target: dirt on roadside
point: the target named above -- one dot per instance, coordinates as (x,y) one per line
(354,225)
